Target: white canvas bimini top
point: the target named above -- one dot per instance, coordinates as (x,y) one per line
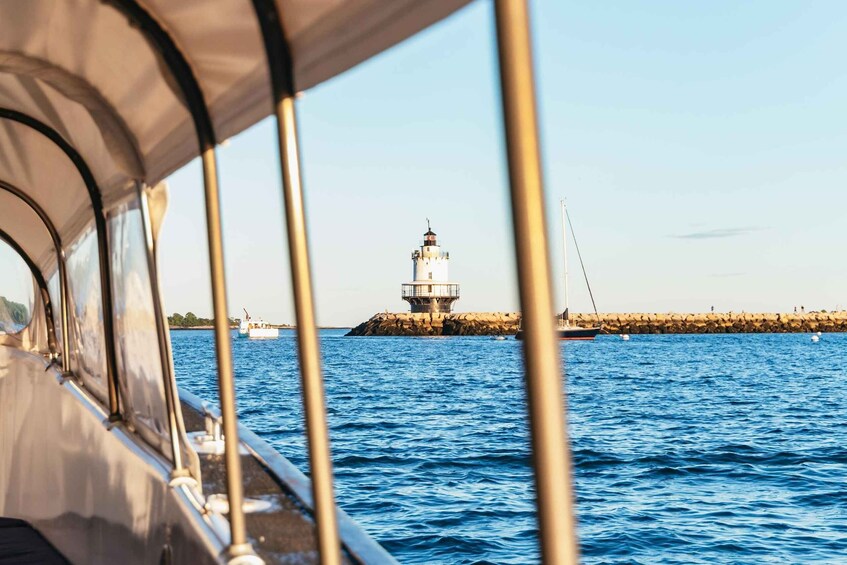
(79,67)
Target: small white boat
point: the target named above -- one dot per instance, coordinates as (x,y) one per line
(256,329)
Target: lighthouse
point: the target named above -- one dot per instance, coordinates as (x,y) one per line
(431,289)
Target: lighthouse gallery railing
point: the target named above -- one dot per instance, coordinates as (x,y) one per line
(428,289)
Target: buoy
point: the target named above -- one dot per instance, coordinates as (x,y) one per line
(815,339)
(499,338)
(625,337)
(819,333)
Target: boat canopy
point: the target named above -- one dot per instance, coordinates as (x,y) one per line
(87,70)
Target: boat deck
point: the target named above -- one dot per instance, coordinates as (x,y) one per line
(21,544)
(283,533)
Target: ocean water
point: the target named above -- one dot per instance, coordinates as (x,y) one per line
(687,448)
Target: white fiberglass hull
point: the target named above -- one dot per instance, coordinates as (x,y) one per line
(261,333)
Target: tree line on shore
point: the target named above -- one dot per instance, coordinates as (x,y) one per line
(13,315)
(190,320)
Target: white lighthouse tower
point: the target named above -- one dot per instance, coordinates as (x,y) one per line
(431,289)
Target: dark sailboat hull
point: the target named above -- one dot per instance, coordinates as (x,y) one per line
(569,334)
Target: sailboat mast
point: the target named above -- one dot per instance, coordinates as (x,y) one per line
(565,256)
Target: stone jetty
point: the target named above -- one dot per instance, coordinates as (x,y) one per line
(505,323)
(469,323)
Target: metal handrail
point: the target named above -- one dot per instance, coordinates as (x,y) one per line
(429,289)
(184,78)
(168,380)
(551,456)
(308,346)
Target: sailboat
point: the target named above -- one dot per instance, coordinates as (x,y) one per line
(564,328)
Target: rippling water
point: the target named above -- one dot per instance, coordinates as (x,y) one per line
(688,449)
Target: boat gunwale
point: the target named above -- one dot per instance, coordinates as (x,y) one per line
(213,528)
(358,543)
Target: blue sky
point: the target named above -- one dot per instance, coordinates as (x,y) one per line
(701,148)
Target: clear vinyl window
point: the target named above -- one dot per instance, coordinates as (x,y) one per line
(17,291)
(89,346)
(136,337)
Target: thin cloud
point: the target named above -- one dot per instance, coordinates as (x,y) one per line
(725,275)
(717,233)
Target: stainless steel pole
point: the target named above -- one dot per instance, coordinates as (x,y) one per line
(168,383)
(65,323)
(105,263)
(551,456)
(308,346)
(223,350)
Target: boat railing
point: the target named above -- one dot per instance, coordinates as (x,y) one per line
(430,290)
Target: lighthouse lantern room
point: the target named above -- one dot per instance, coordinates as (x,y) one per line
(431,289)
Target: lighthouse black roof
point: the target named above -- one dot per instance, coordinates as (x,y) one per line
(429,236)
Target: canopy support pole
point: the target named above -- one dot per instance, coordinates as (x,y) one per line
(42,289)
(223,350)
(184,77)
(308,344)
(60,266)
(551,457)
(169,382)
(102,246)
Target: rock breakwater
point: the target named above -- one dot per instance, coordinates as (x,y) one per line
(505,323)
(470,323)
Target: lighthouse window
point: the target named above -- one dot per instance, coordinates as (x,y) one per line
(430,275)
